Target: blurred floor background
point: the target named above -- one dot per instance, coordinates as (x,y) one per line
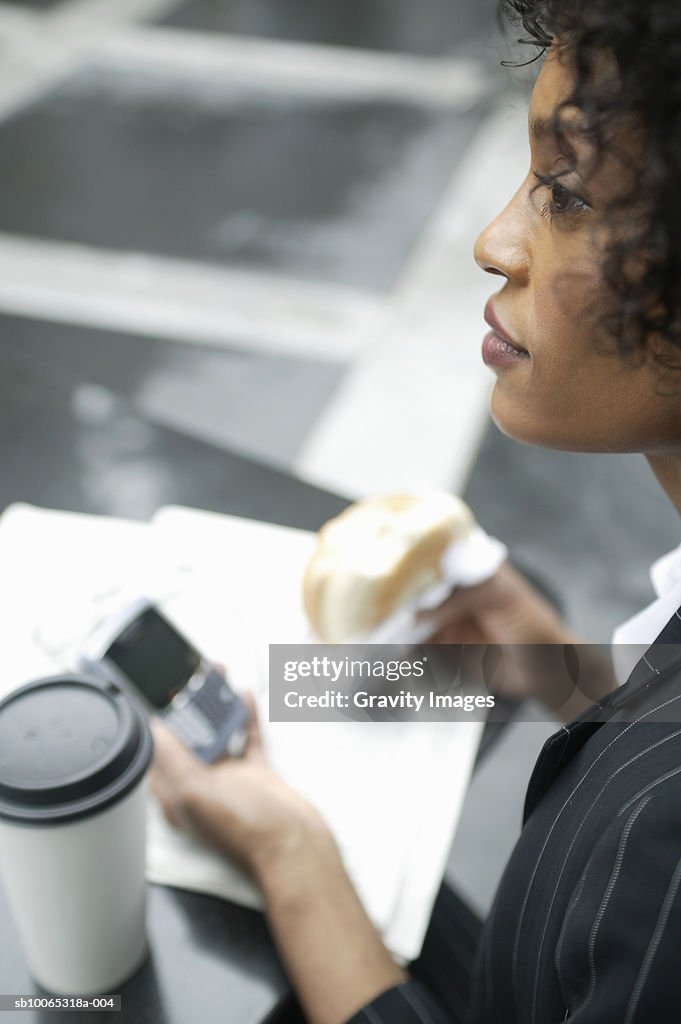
(250,223)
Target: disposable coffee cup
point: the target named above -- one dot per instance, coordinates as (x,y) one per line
(74,755)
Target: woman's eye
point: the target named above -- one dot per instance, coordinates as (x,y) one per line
(561,200)
(564,201)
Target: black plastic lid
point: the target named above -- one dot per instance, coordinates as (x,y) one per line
(69,747)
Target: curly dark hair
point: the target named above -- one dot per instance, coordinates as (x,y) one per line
(644,38)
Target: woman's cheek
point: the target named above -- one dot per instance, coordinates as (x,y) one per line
(567,300)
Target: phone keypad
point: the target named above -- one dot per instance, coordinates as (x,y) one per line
(196,718)
(191,726)
(213,698)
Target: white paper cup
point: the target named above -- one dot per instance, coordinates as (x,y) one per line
(74,754)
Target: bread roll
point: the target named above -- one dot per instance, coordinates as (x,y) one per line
(376,555)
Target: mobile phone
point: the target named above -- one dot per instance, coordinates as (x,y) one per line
(142,651)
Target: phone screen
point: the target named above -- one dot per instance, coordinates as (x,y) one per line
(155,657)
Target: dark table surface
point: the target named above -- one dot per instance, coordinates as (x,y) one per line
(210,961)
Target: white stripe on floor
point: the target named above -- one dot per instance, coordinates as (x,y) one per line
(412,409)
(77,28)
(99,12)
(184,301)
(33,58)
(316,70)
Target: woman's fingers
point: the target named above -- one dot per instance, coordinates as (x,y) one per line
(254,745)
(461,605)
(461,630)
(174,768)
(171,756)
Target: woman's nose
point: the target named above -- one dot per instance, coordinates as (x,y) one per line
(503,246)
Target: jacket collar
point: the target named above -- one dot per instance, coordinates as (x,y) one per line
(560,748)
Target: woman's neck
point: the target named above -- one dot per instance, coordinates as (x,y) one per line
(667,469)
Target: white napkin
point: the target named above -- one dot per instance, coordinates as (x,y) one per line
(466,562)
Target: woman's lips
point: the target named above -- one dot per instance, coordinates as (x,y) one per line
(497,351)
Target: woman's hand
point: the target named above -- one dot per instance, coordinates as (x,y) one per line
(332,952)
(505,609)
(238,805)
(542,658)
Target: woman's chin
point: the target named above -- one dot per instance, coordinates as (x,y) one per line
(515,421)
(554,434)
(517,431)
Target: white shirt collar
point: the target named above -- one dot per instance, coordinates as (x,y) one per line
(640,630)
(665,573)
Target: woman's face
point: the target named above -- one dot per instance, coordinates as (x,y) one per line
(562,391)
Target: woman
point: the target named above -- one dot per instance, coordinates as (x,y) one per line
(585,343)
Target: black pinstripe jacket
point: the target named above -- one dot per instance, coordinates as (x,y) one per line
(586,923)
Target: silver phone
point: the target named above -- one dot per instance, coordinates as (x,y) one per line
(142,651)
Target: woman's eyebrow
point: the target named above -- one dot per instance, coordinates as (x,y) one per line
(560,130)
(562,135)
(541,128)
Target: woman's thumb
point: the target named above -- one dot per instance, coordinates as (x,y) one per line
(463,603)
